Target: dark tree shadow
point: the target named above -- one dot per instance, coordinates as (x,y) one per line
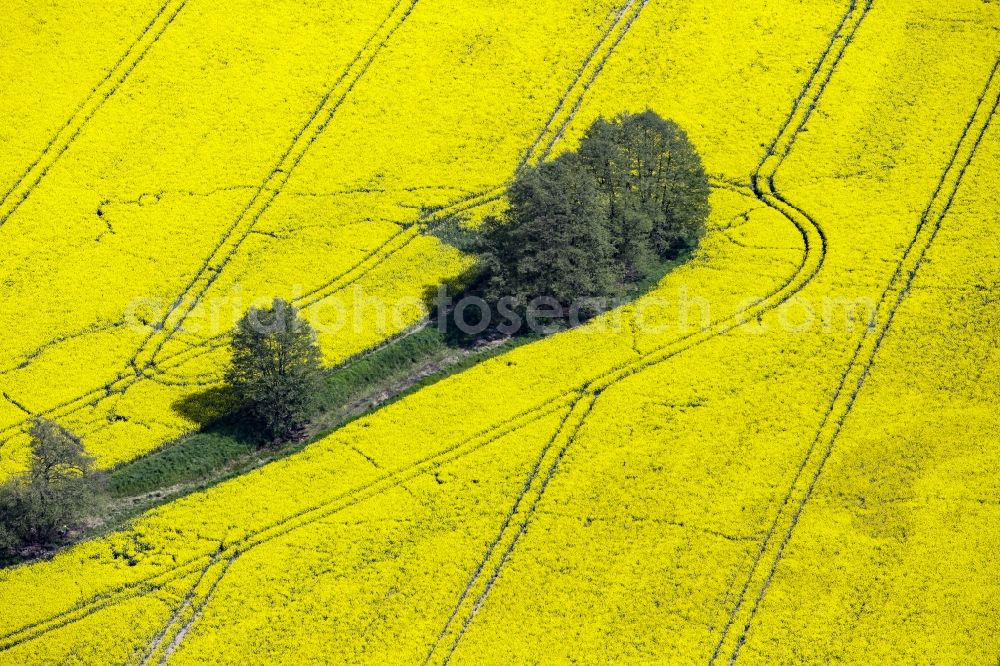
(441,299)
(216,411)
(208,406)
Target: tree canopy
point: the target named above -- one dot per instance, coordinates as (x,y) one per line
(57,492)
(653,183)
(276,369)
(553,241)
(589,222)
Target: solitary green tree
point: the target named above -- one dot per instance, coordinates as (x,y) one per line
(655,185)
(553,240)
(56,493)
(275,371)
(57,455)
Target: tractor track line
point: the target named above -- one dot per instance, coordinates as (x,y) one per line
(497,192)
(557,137)
(815,251)
(772,148)
(853,378)
(506,522)
(569,89)
(598,70)
(159,637)
(467,591)
(176,637)
(765,187)
(91,104)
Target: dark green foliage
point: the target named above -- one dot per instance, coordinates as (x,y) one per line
(57,455)
(585,228)
(56,493)
(553,240)
(654,183)
(276,369)
(9,539)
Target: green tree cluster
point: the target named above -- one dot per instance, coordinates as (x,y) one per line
(590,222)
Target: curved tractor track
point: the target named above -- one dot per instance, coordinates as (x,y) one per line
(853,378)
(568,402)
(145,363)
(519,517)
(91,104)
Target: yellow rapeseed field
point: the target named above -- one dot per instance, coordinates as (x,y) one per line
(787,452)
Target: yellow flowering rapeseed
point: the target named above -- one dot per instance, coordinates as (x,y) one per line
(785,453)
